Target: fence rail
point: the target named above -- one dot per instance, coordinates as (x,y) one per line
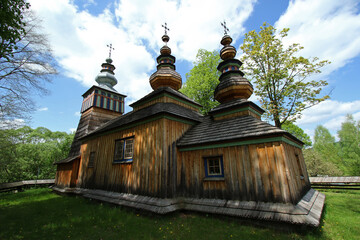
(349,183)
(4,187)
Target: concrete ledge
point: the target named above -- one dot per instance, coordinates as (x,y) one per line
(306,212)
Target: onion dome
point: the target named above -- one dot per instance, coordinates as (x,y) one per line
(232,83)
(106,76)
(165,76)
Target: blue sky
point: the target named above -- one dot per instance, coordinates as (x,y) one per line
(79,31)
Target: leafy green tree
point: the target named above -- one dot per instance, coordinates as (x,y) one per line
(202,79)
(325,145)
(297,132)
(317,165)
(349,135)
(12,25)
(280,75)
(30,153)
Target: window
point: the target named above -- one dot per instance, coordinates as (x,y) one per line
(124,150)
(214,167)
(91,159)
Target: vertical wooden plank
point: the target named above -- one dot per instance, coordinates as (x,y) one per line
(275,186)
(264,172)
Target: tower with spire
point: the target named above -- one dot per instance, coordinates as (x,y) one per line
(165,76)
(101,103)
(234,89)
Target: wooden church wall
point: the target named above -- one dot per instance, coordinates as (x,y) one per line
(66,174)
(268,172)
(150,173)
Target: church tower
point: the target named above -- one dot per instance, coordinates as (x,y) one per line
(101,103)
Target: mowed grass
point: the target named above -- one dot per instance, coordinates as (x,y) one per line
(41,214)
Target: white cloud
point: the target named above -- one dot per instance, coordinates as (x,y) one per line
(43,109)
(12,124)
(77,114)
(328,29)
(193,24)
(328,109)
(79,39)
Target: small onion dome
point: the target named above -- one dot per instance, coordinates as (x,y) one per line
(228,51)
(165,76)
(165,50)
(106,76)
(232,84)
(226,40)
(165,38)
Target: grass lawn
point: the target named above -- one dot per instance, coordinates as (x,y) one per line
(41,214)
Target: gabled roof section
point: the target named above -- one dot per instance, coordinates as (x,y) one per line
(240,128)
(145,114)
(238,103)
(165,91)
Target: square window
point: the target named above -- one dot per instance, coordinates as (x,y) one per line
(214,167)
(124,150)
(91,159)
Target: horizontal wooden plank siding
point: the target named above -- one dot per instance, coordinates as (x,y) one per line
(153,169)
(268,172)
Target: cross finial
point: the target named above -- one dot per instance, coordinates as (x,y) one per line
(225,28)
(166,28)
(110,48)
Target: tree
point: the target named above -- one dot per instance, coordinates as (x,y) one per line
(27,153)
(349,135)
(317,165)
(297,132)
(12,25)
(280,76)
(325,145)
(202,79)
(24,71)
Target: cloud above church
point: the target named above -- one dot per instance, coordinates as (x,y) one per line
(327,29)
(79,38)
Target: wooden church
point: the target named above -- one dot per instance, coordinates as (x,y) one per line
(166,156)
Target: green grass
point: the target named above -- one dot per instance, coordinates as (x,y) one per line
(41,214)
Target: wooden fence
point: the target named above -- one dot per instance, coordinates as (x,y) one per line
(4,187)
(350,183)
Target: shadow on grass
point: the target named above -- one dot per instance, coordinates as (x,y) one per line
(40,214)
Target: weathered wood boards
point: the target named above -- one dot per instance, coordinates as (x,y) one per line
(152,170)
(270,172)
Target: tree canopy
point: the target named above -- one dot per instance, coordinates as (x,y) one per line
(297,132)
(12,26)
(27,153)
(281,77)
(349,136)
(202,79)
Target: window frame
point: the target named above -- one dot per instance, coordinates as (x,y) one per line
(214,176)
(117,151)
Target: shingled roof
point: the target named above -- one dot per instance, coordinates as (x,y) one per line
(167,90)
(243,127)
(145,113)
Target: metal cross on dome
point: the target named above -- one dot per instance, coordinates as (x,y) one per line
(166,28)
(110,48)
(225,28)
